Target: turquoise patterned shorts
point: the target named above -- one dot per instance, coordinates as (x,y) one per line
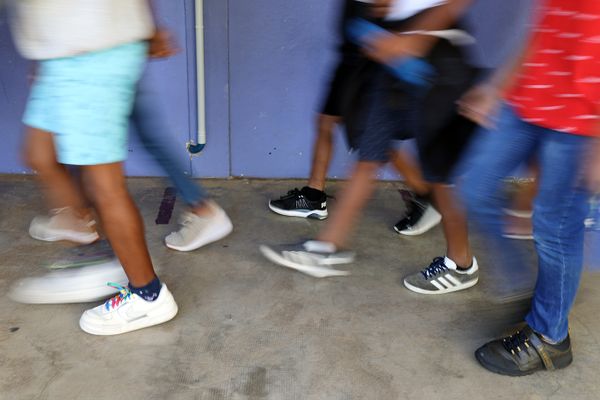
(85,102)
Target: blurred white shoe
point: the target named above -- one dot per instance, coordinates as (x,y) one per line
(63,224)
(197,231)
(72,285)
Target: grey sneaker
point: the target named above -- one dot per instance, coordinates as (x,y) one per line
(442,276)
(197,231)
(313,258)
(63,224)
(98,252)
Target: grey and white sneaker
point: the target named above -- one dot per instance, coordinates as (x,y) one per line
(312,257)
(442,276)
(197,231)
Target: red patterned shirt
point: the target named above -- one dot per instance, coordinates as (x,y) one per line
(558,86)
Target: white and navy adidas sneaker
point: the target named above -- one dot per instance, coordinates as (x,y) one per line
(304,203)
(442,276)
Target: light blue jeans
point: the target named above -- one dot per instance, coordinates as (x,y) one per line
(85,102)
(558,216)
(151,127)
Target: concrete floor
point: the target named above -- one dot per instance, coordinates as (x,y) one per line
(248,329)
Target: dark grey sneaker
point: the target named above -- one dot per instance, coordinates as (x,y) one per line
(98,252)
(442,276)
(524,353)
(312,257)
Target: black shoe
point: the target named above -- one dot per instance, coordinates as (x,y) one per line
(524,353)
(420,215)
(305,203)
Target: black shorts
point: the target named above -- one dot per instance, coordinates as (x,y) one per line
(375,118)
(339,89)
(379,109)
(442,134)
(351,57)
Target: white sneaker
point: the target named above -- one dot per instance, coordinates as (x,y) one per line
(128,312)
(73,285)
(197,231)
(63,224)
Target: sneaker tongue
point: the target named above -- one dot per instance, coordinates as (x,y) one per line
(450,264)
(319,247)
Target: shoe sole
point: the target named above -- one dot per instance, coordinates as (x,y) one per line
(435,220)
(78,296)
(557,365)
(312,214)
(454,289)
(80,285)
(215,236)
(71,236)
(501,371)
(152,319)
(314,271)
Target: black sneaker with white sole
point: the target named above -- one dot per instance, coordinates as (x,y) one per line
(312,257)
(303,203)
(442,276)
(523,353)
(420,217)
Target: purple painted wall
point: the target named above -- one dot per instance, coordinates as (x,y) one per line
(281,56)
(173,80)
(267,66)
(13,94)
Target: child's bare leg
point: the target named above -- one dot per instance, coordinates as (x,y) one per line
(121,220)
(355,195)
(56,182)
(523,200)
(518,220)
(322,150)
(410,171)
(454,222)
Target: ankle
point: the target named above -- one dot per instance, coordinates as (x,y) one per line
(149,291)
(316,185)
(312,193)
(204,209)
(334,243)
(462,263)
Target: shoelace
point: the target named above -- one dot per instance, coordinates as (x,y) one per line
(291,194)
(297,192)
(435,268)
(87,222)
(186,220)
(516,342)
(123,295)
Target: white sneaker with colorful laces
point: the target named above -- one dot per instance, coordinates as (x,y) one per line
(128,312)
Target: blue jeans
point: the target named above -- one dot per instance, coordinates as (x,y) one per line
(558,215)
(151,128)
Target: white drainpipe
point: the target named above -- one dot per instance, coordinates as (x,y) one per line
(195,148)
